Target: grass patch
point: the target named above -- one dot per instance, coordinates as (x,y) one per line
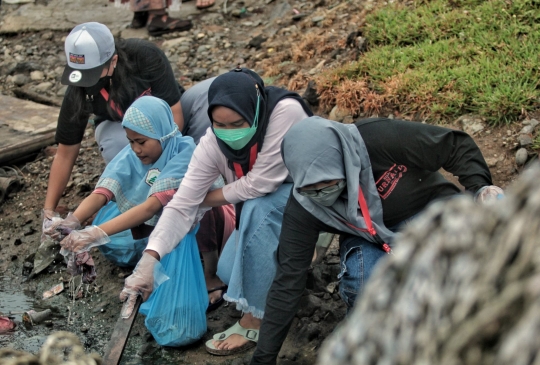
(442,59)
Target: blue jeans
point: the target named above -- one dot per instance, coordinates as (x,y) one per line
(358,258)
(247,264)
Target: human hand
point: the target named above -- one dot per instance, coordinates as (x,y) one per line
(47,216)
(140,282)
(83,240)
(489,194)
(58,229)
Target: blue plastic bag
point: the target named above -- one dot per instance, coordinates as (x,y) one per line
(123,250)
(176,310)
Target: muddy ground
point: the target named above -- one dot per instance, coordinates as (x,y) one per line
(268,36)
(92,315)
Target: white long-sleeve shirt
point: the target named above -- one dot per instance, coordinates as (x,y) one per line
(208,162)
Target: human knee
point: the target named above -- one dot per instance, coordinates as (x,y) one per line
(351,275)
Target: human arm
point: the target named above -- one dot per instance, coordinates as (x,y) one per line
(269,171)
(89,206)
(61,168)
(133,217)
(299,234)
(428,147)
(178,116)
(215,198)
(69,134)
(82,240)
(179,214)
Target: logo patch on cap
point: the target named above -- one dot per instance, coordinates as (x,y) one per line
(75,76)
(76,58)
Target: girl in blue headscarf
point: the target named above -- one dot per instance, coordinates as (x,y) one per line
(141,179)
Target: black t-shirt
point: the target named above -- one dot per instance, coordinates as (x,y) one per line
(406,158)
(154,77)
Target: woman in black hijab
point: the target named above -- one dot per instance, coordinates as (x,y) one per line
(249,121)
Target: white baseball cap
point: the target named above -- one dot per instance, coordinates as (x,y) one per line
(88,47)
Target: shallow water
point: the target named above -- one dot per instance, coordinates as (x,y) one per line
(13,300)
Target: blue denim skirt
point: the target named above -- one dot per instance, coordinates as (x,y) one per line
(247,264)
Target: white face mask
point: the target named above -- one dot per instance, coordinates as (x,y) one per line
(326,196)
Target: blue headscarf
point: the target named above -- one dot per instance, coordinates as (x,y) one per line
(132,182)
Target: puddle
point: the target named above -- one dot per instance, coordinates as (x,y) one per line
(13,300)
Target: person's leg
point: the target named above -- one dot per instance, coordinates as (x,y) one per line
(203,4)
(247,263)
(209,239)
(158,22)
(111,139)
(140,13)
(358,258)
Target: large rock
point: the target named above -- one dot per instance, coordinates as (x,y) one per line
(463,287)
(472,124)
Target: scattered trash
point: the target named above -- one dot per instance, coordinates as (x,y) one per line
(6,325)
(53,291)
(10,181)
(47,252)
(298,15)
(32,317)
(331,288)
(82,264)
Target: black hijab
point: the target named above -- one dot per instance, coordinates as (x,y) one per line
(237,90)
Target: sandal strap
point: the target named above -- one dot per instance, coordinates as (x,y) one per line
(221,287)
(169,22)
(237,329)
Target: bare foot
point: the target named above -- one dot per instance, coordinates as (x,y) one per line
(235,341)
(203,4)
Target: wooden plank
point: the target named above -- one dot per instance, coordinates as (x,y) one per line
(25,127)
(115,347)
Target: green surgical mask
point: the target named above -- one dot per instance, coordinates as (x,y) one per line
(238,138)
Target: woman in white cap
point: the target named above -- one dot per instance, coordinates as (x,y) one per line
(104,78)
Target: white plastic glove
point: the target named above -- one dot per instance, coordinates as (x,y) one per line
(47,216)
(83,240)
(140,282)
(61,228)
(489,194)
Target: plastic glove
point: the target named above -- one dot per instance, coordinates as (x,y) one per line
(488,194)
(47,216)
(140,282)
(83,240)
(61,228)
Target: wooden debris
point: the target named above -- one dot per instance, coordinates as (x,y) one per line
(26,127)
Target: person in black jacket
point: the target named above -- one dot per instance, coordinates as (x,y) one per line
(363,181)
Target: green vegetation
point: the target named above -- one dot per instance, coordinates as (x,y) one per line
(441,59)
